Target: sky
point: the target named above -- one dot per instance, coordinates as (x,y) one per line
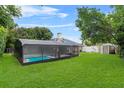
(58,18)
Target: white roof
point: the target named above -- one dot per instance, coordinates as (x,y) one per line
(108,44)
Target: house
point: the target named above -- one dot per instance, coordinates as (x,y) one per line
(106,48)
(33,51)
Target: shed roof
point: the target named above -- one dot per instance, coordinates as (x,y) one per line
(48,42)
(108,44)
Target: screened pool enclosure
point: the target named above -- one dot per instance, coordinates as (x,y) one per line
(33,51)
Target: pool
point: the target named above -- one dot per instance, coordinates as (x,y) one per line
(35,59)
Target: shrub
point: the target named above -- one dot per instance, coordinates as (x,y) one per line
(3,35)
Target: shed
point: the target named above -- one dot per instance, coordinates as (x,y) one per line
(108,48)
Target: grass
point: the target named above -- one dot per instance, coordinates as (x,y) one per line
(87,70)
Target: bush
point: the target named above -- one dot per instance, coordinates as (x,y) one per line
(3,35)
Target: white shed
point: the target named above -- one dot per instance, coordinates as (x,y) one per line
(108,48)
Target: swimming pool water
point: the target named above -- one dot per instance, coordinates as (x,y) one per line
(34,59)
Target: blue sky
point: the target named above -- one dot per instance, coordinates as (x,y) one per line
(56,18)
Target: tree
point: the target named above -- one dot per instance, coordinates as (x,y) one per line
(3,35)
(97,27)
(11,37)
(42,33)
(39,33)
(117,22)
(93,25)
(7,13)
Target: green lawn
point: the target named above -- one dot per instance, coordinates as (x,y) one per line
(87,70)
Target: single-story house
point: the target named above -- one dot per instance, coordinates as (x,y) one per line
(32,51)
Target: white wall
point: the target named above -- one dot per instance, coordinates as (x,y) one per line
(90,49)
(103,49)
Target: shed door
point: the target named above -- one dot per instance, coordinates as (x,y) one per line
(111,50)
(105,50)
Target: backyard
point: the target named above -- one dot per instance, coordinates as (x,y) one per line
(86,70)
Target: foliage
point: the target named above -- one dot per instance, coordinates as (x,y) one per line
(101,28)
(3,35)
(11,37)
(87,70)
(7,12)
(117,22)
(42,33)
(88,42)
(7,15)
(93,25)
(38,33)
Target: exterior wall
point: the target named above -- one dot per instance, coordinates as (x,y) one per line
(31,51)
(90,49)
(76,50)
(65,51)
(51,52)
(107,48)
(103,49)
(18,53)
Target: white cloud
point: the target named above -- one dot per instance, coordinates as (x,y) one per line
(28,11)
(76,29)
(48,10)
(59,26)
(73,38)
(49,26)
(62,15)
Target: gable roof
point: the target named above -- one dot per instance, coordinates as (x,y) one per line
(48,42)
